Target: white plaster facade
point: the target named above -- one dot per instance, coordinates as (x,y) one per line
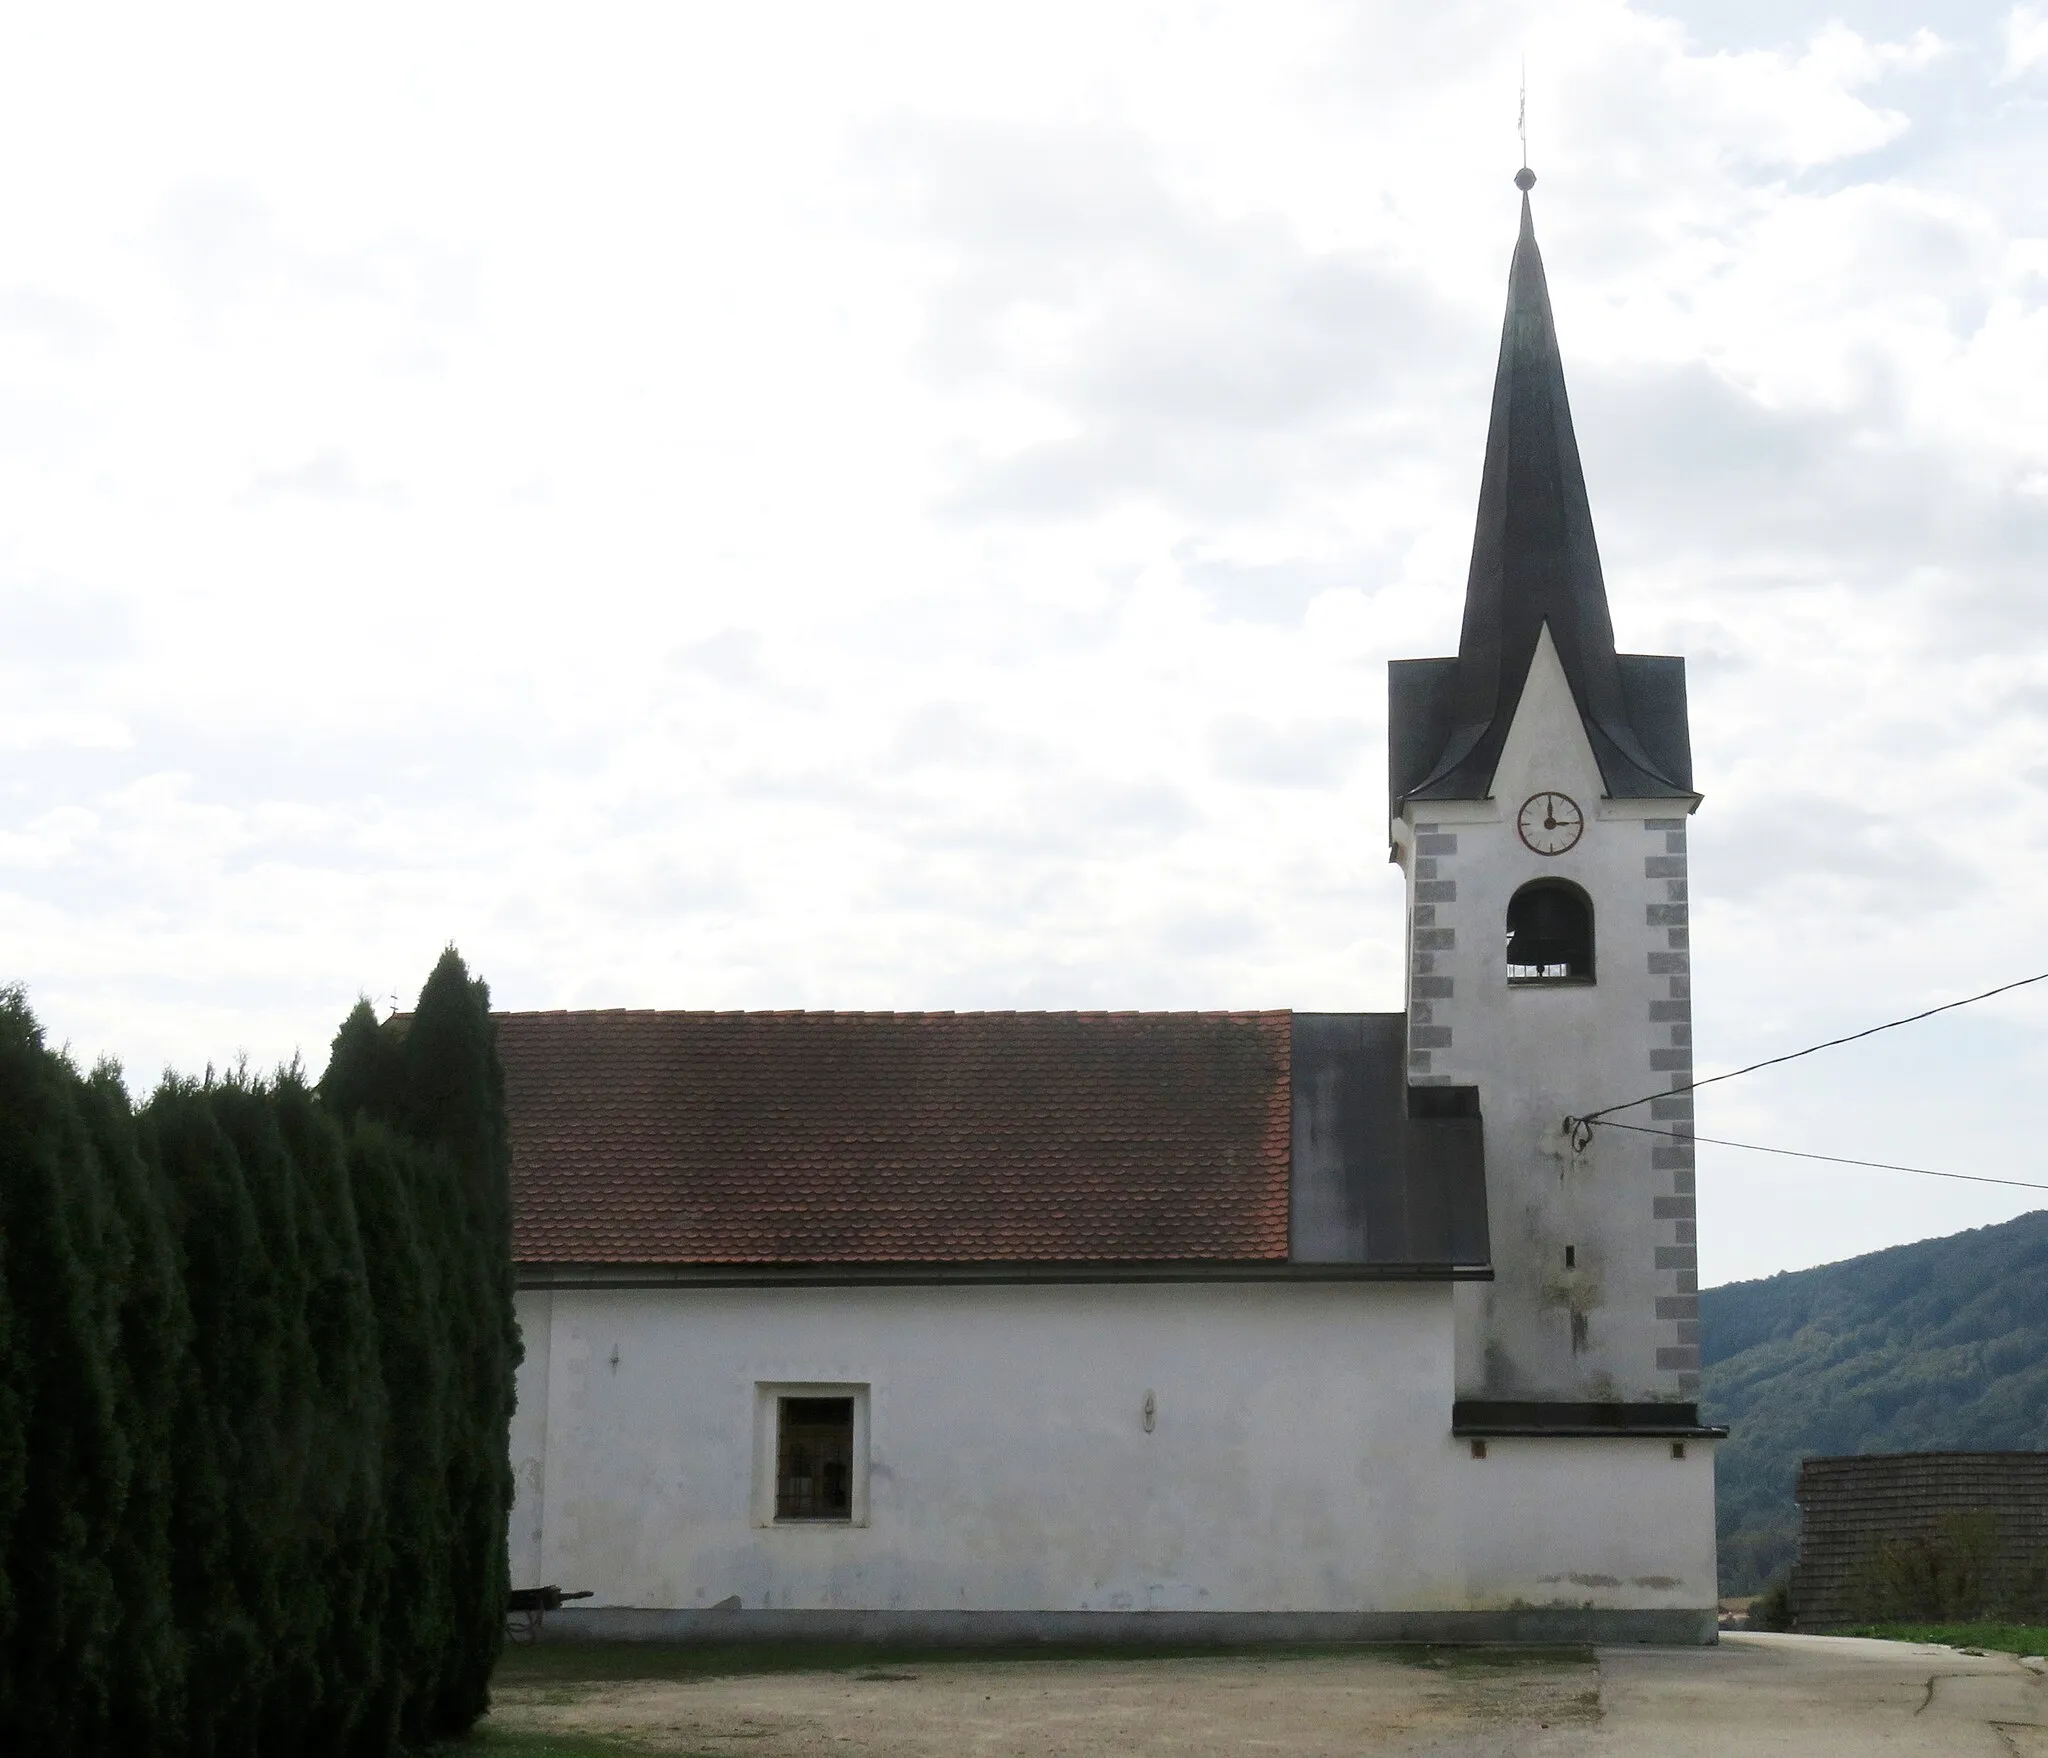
(1300,1460)
(1620,1323)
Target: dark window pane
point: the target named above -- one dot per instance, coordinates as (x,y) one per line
(814,1459)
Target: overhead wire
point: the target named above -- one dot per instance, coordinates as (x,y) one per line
(1583,1120)
(1832,1159)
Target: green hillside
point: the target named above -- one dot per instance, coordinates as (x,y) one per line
(1943,1344)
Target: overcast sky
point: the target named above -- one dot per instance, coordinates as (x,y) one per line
(904,506)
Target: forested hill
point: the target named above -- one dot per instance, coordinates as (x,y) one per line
(1938,1345)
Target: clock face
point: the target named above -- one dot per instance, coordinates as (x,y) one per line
(1550,823)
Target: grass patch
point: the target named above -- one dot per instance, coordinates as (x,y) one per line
(505,1742)
(1462,1662)
(1998,1638)
(561,1666)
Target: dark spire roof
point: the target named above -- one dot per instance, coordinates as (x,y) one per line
(1534,561)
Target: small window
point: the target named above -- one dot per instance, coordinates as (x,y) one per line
(1550,933)
(814,1459)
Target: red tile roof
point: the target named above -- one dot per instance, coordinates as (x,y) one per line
(819,1138)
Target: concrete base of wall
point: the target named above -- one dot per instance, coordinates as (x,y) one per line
(997,1629)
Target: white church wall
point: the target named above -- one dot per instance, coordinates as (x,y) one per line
(1300,1459)
(1594,1522)
(1299,1436)
(529,1438)
(1620,1320)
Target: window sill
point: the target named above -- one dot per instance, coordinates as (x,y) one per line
(1553,982)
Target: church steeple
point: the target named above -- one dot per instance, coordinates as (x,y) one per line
(1535,563)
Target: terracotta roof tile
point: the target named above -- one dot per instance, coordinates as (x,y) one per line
(761,1138)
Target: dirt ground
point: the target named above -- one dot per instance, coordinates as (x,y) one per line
(1752,1694)
(1348,1702)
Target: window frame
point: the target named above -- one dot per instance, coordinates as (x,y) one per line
(768,1397)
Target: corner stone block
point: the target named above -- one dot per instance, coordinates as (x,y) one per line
(1665,915)
(1669,1360)
(1664,866)
(1439,844)
(1678,1257)
(1429,1037)
(1682,1307)
(1436,939)
(1437,891)
(1434,988)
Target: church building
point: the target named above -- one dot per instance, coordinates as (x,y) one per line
(1196,1326)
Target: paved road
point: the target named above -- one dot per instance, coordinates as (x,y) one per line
(1817,1696)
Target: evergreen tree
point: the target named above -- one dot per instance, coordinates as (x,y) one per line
(277,1486)
(343,1496)
(455,1100)
(21,1052)
(58,1668)
(224,1585)
(256,1358)
(151,1345)
(365,1069)
(416,1596)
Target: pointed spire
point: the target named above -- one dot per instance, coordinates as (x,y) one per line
(1535,561)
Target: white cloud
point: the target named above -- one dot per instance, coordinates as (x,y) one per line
(909,506)
(2026,40)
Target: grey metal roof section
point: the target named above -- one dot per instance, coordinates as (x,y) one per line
(1534,561)
(1384,1174)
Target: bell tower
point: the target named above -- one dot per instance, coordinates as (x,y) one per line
(1539,788)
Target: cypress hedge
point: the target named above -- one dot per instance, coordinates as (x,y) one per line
(256,1358)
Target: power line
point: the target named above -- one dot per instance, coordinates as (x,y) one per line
(1832,1159)
(1793,1056)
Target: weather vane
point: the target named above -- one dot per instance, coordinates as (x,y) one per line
(1525,179)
